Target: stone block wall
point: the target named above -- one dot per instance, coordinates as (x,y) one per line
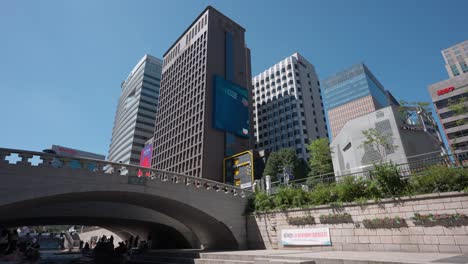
(264,230)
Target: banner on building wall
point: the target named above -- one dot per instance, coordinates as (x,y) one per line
(145,158)
(306,237)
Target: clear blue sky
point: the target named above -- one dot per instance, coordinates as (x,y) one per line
(62,62)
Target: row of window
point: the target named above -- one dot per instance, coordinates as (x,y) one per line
(179,128)
(272,76)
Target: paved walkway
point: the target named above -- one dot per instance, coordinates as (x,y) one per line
(354,256)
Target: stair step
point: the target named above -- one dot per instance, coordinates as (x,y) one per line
(230,256)
(222,261)
(162,259)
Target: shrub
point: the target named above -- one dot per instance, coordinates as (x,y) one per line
(387,222)
(440,219)
(323,194)
(263,202)
(301,220)
(388,181)
(351,188)
(288,197)
(440,179)
(336,218)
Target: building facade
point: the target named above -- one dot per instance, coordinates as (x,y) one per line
(445,95)
(352,93)
(456,59)
(411,135)
(136,111)
(288,109)
(69,152)
(204,113)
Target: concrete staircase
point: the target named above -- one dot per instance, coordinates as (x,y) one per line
(200,257)
(166,257)
(233,258)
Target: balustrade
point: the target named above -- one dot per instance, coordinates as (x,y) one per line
(99,166)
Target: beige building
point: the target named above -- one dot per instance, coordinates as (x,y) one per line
(456,59)
(455,125)
(340,115)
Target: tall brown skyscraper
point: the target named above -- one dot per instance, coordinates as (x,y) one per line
(204,104)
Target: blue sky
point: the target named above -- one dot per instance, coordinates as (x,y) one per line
(62,62)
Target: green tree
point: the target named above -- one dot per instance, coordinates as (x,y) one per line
(283,158)
(380,142)
(459,107)
(320,160)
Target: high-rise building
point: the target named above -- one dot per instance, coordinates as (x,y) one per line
(452,94)
(352,93)
(136,111)
(456,59)
(205,103)
(288,110)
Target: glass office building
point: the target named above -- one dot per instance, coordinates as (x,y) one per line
(136,111)
(352,93)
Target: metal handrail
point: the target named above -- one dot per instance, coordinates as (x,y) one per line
(328,177)
(4,152)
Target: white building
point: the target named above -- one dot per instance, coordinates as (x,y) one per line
(287,107)
(456,59)
(411,135)
(136,111)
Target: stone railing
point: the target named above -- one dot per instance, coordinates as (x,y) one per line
(53,161)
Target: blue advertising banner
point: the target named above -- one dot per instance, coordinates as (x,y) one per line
(231,107)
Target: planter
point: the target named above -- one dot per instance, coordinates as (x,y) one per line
(446,220)
(336,219)
(387,222)
(304,220)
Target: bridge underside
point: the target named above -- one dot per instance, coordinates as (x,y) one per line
(126,219)
(162,236)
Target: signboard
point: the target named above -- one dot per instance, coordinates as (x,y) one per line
(231,107)
(445,90)
(306,237)
(238,170)
(413,128)
(135,180)
(145,158)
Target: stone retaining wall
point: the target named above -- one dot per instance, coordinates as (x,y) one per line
(264,230)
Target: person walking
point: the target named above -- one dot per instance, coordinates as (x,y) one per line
(136,241)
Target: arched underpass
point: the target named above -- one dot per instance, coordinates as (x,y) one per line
(118,217)
(162,236)
(211,212)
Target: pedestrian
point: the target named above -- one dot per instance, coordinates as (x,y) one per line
(81,244)
(13,241)
(136,241)
(150,242)
(130,245)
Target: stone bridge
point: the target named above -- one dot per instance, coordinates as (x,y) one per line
(179,211)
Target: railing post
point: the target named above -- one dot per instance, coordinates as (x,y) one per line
(24,159)
(3,156)
(268,184)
